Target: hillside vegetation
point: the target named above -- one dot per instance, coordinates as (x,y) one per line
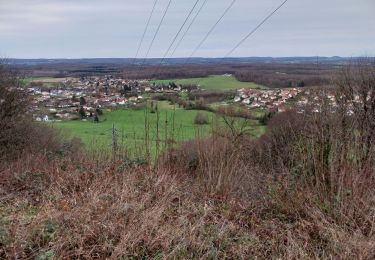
(304,190)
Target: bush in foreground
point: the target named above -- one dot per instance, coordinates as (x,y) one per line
(18,133)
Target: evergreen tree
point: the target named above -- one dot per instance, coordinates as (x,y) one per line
(74,98)
(81,112)
(82,101)
(99,111)
(96,118)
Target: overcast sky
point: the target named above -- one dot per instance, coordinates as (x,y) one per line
(113,28)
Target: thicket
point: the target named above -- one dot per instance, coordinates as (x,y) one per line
(19,135)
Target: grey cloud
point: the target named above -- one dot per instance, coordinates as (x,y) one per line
(112,28)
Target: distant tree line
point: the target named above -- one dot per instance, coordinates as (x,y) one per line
(287,76)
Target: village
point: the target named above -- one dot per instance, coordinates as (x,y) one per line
(80,98)
(274,99)
(85,98)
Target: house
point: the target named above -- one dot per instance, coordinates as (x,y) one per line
(255,105)
(247,101)
(293,93)
(133,99)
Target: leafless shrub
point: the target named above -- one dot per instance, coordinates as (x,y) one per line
(13,108)
(200,119)
(18,133)
(325,155)
(273,152)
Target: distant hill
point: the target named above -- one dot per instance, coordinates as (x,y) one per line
(180,61)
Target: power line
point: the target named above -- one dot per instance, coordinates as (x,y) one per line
(211,30)
(177,34)
(145,31)
(188,28)
(157,31)
(250,33)
(254,30)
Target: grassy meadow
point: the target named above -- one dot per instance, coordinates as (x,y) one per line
(169,124)
(45,81)
(215,82)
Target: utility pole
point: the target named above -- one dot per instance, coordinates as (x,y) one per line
(114,141)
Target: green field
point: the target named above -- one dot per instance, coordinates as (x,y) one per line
(222,82)
(28,80)
(46,81)
(174,124)
(131,125)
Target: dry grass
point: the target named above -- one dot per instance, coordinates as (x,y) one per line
(88,212)
(77,209)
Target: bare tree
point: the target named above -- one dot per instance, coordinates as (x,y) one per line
(356,101)
(13,108)
(19,134)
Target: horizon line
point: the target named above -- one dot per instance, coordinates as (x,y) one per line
(242,57)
